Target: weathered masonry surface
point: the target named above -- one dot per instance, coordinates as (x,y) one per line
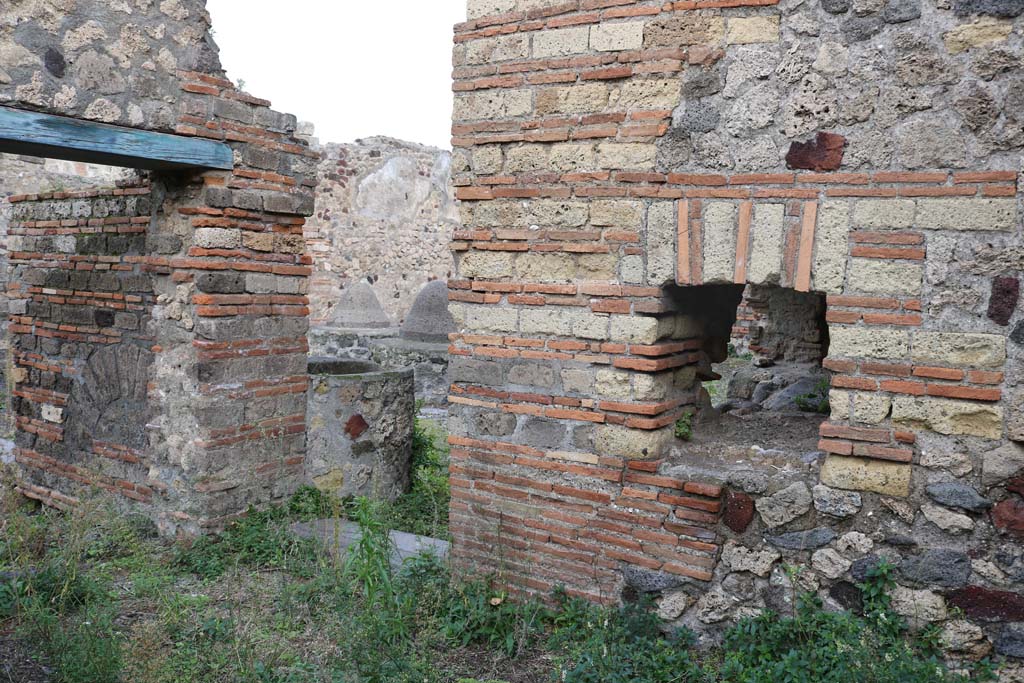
(385,215)
(379,240)
(23,174)
(626,168)
(159,329)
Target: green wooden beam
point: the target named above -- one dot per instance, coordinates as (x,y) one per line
(60,137)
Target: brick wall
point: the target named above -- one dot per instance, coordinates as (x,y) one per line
(78,293)
(23,174)
(159,333)
(626,169)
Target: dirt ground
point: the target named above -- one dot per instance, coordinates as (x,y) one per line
(17,664)
(482,665)
(732,436)
(764,435)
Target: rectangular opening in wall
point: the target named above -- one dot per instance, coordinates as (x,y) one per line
(759,391)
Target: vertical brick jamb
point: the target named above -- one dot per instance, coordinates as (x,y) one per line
(684,266)
(243,273)
(802,279)
(743,242)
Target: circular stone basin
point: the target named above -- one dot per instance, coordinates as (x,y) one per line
(359,425)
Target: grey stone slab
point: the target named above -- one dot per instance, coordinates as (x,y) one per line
(958,495)
(943,567)
(6,451)
(1010,641)
(338,535)
(648,581)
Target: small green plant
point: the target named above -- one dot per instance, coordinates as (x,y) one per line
(815,401)
(57,599)
(261,539)
(875,590)
(424,509)
(479,614)
(397,611)
(734,353)
(835,647)
(619,645)
(684,427)
(309,503)
(368,567)
(85,648)
(12,590)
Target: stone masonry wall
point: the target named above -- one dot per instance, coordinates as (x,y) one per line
(781,324)
(360,428)
(385,213)
(207,413)
(25,175)
(625,168)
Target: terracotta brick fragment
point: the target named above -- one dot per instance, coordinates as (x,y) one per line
(738,512)
(983,377)
(1003,302)
(824,153)
(986,604)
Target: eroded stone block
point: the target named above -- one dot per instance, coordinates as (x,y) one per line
(859,474)
(948,416)
(959,349)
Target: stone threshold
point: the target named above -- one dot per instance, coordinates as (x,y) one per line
(337,535)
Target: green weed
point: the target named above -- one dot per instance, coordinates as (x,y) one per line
(260,540)
(396,611)
(478,614)
(424,509)
(56,598)
(836,647)
(83,648)
(368,567)
(815,401)
(684,427)
(619,645)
